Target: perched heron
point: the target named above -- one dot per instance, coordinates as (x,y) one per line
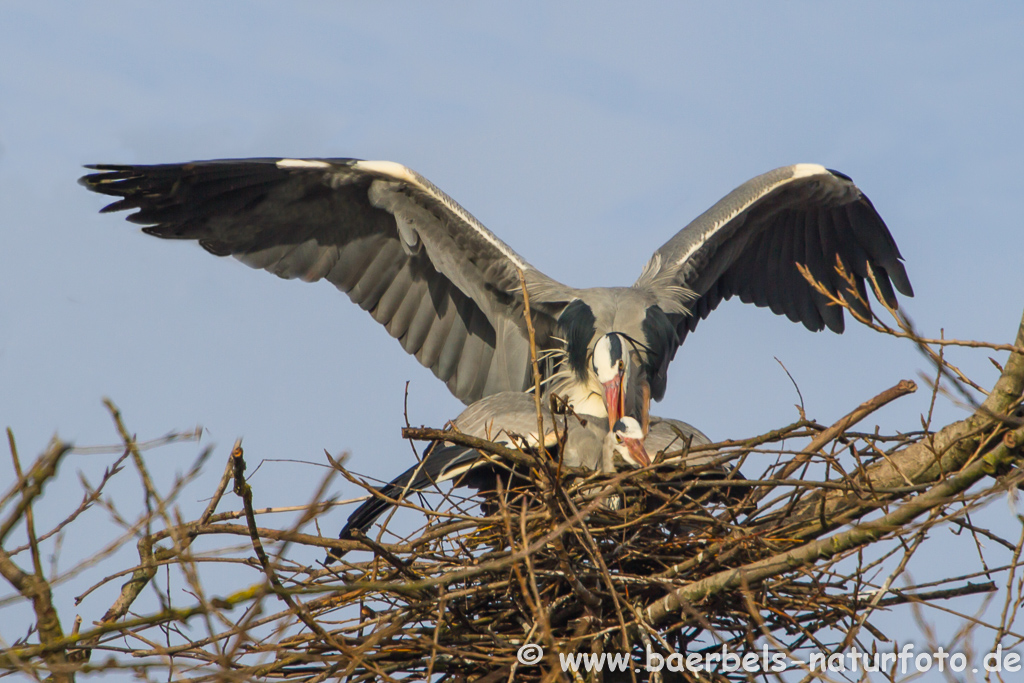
(450,291)
(511,418)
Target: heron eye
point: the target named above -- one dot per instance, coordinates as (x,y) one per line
(618,438)
(622,366)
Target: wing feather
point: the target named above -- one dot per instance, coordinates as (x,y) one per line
(398,246)
(802,308)
(440,327)
(423,320)
(748,245)
(771,259)
(451,350)
(400,288)
(815,263)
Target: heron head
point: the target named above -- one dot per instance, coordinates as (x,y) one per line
(627,443)
(609,363)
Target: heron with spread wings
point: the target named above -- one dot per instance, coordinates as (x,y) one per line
(452,293)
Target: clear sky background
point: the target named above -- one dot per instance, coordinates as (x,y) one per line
(584,135)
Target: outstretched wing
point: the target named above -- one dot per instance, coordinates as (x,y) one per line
(438,280)
(748,245)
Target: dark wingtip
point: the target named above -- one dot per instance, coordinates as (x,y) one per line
(119,205)
(334,555)
(898,275)
(839,174)
(91,180)
(835,324)
(106,180)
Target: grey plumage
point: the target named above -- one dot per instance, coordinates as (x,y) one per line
(744,245)
(449,290)
(510,418)
(671,435)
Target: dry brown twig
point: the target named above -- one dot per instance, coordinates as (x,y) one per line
(804,555)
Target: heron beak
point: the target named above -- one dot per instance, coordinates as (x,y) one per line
(645,406)
(614,399)
(637,451)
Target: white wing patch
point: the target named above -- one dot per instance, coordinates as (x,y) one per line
(302,163)
(807,170)
(406,175)
(390,169)
(798,170)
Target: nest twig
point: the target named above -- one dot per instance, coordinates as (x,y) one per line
(801,553)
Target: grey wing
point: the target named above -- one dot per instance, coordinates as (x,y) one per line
(502,416)
(673,435)
(510,416)
(748,243)
(438,280)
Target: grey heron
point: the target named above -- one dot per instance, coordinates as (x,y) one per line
(510,418)
(449,290)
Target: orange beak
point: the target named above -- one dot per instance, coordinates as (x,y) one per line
(614,399)
(637,451)
(645,406)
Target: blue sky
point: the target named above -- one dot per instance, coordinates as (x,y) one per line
(584,136)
